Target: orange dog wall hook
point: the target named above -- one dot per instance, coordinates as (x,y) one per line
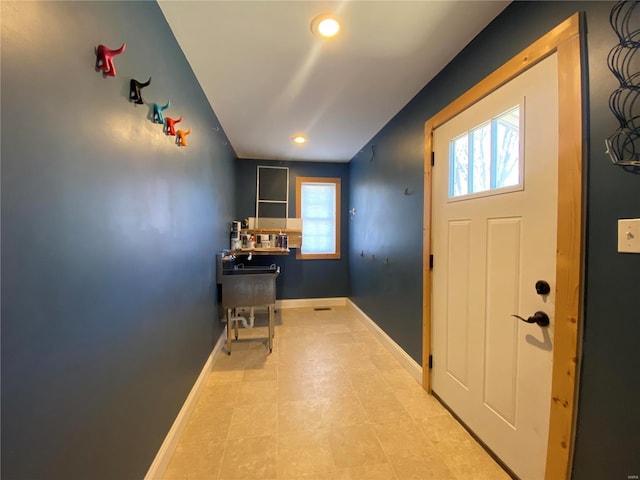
(104,60)
(181,137)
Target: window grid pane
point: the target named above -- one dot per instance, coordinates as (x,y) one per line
(459,184)
(481,173)
(508,149)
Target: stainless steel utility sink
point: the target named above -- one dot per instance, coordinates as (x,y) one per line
(248,287)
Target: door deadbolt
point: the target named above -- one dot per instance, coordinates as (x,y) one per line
(542,287)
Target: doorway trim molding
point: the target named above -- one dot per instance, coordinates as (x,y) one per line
(566,41)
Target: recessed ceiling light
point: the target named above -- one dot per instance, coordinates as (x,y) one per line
(325,25)
(299,139)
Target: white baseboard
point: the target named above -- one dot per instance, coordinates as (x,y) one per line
(163,457)
(413,367)
(312,302)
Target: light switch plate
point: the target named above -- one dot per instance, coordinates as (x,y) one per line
(629,235)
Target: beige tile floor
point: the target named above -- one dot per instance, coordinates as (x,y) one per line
(329,403)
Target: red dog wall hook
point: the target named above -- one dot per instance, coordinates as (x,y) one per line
(104,60)
(170,125)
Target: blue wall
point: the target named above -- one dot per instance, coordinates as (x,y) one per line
(608,423)
(387,193)
(299,278)
(109,232)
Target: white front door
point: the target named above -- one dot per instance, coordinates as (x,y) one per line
(494,237)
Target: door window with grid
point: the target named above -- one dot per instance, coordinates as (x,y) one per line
(487,159)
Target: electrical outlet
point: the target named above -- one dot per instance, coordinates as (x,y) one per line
(629,235)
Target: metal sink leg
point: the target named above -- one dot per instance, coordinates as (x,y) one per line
(229,331)
(271,328)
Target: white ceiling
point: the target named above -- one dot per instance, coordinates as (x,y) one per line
(268,77)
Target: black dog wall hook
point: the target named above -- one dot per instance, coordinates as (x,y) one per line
(135,87)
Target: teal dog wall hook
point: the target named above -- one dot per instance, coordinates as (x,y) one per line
(157,112)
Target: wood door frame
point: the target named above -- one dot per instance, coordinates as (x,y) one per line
(566,41)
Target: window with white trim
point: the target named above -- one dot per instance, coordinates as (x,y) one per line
(318,204)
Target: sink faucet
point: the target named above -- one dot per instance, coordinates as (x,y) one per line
(227,256)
